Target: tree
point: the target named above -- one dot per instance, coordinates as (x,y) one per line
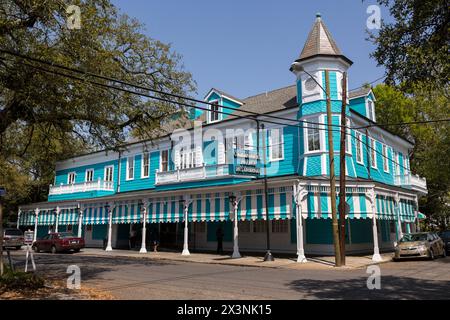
(415,47)
(45,117)
(432,141)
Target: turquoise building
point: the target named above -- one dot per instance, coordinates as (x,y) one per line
(210,171)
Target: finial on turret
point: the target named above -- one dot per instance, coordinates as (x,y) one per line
(318,15)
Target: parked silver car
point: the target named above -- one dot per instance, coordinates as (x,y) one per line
(420,245)
(12,238)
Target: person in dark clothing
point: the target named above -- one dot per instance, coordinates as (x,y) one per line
(219,236)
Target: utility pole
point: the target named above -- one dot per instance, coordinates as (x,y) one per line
(342,201)
(337,248)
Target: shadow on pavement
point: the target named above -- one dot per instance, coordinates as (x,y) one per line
(398,288)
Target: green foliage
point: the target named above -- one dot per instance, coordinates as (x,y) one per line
(432,141)
(415,47)
(45,117)
(20,281)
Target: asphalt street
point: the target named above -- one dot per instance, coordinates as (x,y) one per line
(135,278)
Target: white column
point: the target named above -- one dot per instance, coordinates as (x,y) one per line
(186,252)
(57,218)
(236,253)
(299,194)
(399,223)
(109,245)
(80,221)
(18,219)
(144,229)
(36,212)
(376,250)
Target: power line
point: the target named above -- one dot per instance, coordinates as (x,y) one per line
(368,83)
(52,64)
(402,123)
(201,108)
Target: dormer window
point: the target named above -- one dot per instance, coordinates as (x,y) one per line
(214,113)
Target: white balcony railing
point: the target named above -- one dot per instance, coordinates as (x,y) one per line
(192,174)
(98,185)
(412,181)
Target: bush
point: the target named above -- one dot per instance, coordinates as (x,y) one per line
(20,281)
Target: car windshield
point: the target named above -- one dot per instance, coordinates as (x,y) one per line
(65,235)
(13,232)
(414,237)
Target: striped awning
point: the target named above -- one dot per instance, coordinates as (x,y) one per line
(46,217)
(407,210)
(126,212)
(217,207)
(386,209)
(68,216)
(27,218)
(95,214)
(317,204)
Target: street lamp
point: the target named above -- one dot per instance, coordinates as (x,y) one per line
(297,67)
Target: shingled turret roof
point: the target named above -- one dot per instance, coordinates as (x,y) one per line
(320,43)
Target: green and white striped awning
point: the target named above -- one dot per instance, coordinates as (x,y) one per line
(217,207)
(95,214)
(317,203)
(126,212)
(386,209)
(47,217)
(68,216)
(27,218)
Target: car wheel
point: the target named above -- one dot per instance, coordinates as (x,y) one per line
(53,250)
(444,253)
(18,247)
(36,249)
(431,255)
(76,250)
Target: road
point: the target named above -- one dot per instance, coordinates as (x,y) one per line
(134,278)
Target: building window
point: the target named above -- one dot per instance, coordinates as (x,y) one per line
(280,226)
(276,144)
(109,174)
(373,153)
(406,164)
(396,164)
(385,158)
(259,226)
(313,134)
(348,140)
(130,168)
(214,114)
(145,165)
(71,178)
(164,166)
(89,175)
(187,157)
(359,148)
(370,110)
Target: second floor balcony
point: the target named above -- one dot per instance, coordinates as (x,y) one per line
(412,181)
(99,185)
(204,172)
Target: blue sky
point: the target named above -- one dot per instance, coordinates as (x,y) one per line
(246,47)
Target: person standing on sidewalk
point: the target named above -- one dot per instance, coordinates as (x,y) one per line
(219,236)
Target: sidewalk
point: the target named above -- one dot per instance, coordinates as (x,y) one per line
(324,262)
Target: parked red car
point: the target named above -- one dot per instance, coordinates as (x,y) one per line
(57,242)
